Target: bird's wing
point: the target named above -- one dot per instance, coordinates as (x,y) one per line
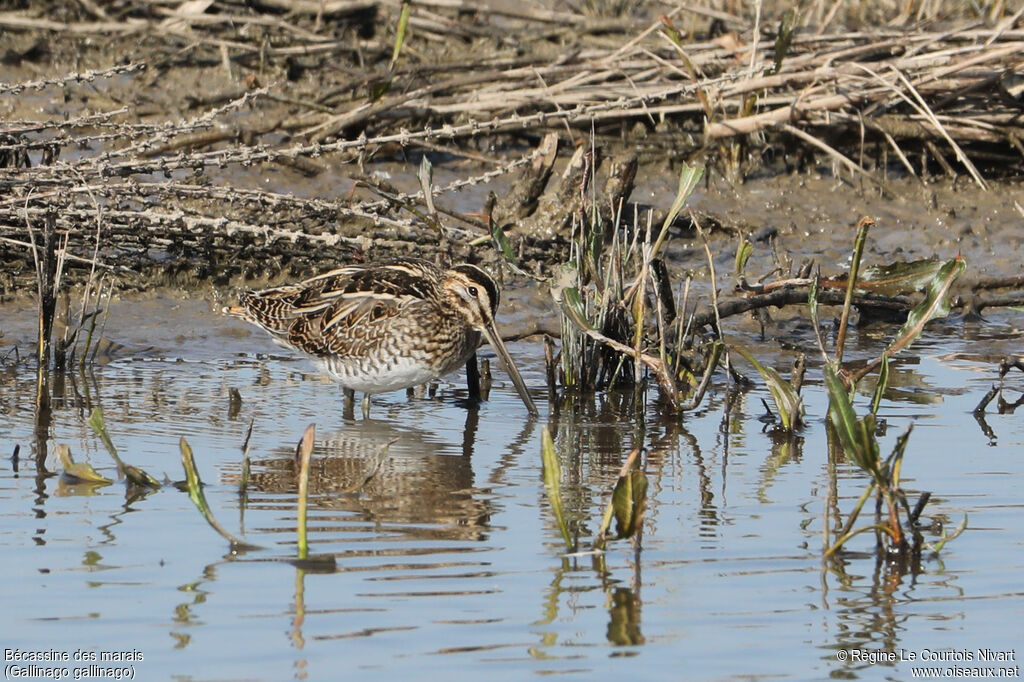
(344,309)
(367,305)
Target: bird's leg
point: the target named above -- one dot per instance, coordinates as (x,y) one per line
(366,406)
(473,379)
(348,410)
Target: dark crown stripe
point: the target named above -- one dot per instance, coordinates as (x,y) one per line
(481,279)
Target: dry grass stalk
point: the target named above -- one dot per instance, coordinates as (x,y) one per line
(938,94)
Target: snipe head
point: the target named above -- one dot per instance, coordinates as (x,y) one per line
(475,296)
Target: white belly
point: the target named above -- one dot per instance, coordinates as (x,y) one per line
(372,378)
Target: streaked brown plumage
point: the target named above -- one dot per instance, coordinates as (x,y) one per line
(384,327)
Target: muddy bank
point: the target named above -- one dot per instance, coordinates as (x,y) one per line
(231,145)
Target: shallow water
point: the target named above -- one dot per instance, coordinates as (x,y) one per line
(448,563)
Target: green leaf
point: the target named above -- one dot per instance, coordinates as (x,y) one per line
(743,255)
(134,474)
(946,538)
(403,24)
(195,493)
(628,502)
(851,431)
(749,104)
(787,400)
(935,304)
(629,497)
(863,226)
(688,179)
(784,37)
(671,31)
(379,88)
(100,428)
(867,446)
(501,243)
(137,476)
(78,471)
(894,462)
(572,306)
(881,385)
(812,306)
(305,451)
(897,278)
(553,482)
(503,246)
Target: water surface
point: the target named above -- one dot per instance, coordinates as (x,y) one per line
(448,563)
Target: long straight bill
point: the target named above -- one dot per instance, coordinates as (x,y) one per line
(495,340)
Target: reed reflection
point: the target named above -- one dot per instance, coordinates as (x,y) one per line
(594,442)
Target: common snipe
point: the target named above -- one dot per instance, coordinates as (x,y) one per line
(385,327)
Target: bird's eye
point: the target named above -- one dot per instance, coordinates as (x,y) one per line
(473,292)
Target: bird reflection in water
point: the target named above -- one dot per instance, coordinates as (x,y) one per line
(403,480)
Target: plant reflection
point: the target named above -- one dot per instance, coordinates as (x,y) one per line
(297,638)
(624,621)
(786,448)
(585,458)
(870,618)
